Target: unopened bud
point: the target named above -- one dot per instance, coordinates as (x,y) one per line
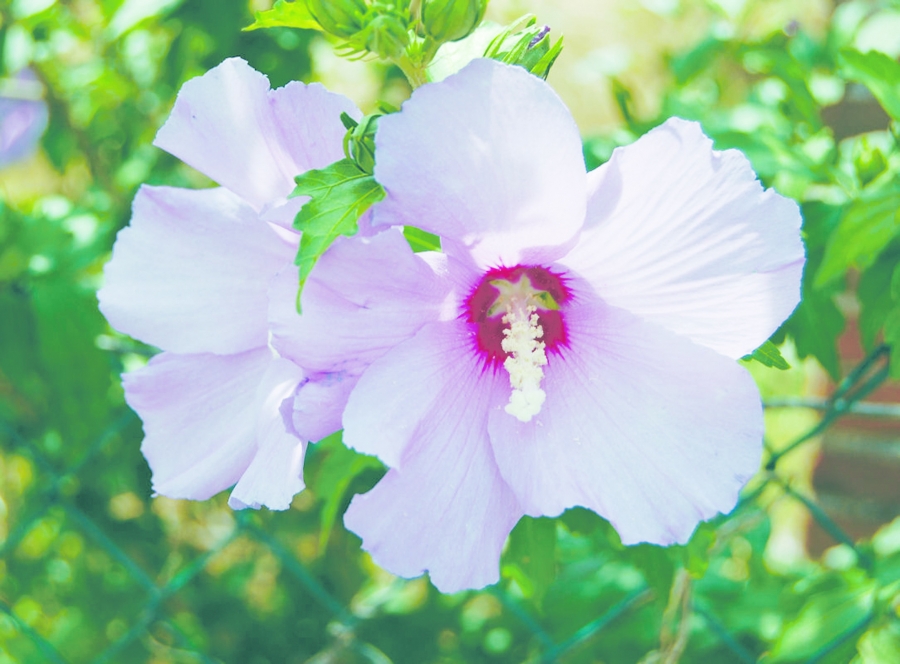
(386,36)
(449,20)
(342,18)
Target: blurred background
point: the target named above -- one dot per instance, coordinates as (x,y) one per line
(92,569)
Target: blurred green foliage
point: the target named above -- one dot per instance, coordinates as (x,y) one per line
(92,569)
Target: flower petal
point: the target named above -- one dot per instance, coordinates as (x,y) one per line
(686,237)
(428,377)
(366,294)
(275,475)
(319,403)
(230,126)
(649,430)
(191,273)
(489,157)
(446,510)
(200,419)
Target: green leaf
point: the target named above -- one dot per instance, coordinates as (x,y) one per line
(816,322)
(768,355)
(878,72)
(835,605)
(865,230)
(814,327)
(657,564)
(530,558)
(285,14)
(420,240)
(333,477)
(874,294)
(879,645)
(697,550)
(340,194)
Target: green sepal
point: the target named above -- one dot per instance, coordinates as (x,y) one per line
(517,46)
(285,14)
(359,141)
(341,18)
(340,194)
(768,355)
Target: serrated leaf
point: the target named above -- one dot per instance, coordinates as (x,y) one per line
(340,194)
(865,230)
(285,14)
(768,355)
(878,72)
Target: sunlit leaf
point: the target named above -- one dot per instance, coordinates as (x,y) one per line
(285,14)
(768,355)
(862,234)
(878,72)
(340,194)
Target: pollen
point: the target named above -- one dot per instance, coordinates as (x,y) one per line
(525,361)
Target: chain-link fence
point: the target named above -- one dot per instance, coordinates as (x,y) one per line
(140,580)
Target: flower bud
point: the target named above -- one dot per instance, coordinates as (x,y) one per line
(449,20)
(386,36)
(342,18)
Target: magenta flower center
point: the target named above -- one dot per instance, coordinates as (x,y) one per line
(522,285)
(517,314)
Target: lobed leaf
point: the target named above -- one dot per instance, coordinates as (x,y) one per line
(340,194)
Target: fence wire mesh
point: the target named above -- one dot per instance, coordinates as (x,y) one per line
(143,601)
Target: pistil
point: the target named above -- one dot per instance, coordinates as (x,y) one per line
(525,361)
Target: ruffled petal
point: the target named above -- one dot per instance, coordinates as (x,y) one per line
(191,272)
(649,430)
(200,419)
(366,294)
(275,475)
(489,157)
(686,237)
(230,126)
(319,403)
(446,510)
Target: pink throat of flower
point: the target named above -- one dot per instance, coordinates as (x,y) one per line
(514,290)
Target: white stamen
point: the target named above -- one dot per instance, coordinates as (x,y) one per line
(526,357)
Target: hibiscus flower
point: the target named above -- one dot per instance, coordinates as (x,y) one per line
(575,341)
(191,275)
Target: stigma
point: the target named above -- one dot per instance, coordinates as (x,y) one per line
(525,360)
